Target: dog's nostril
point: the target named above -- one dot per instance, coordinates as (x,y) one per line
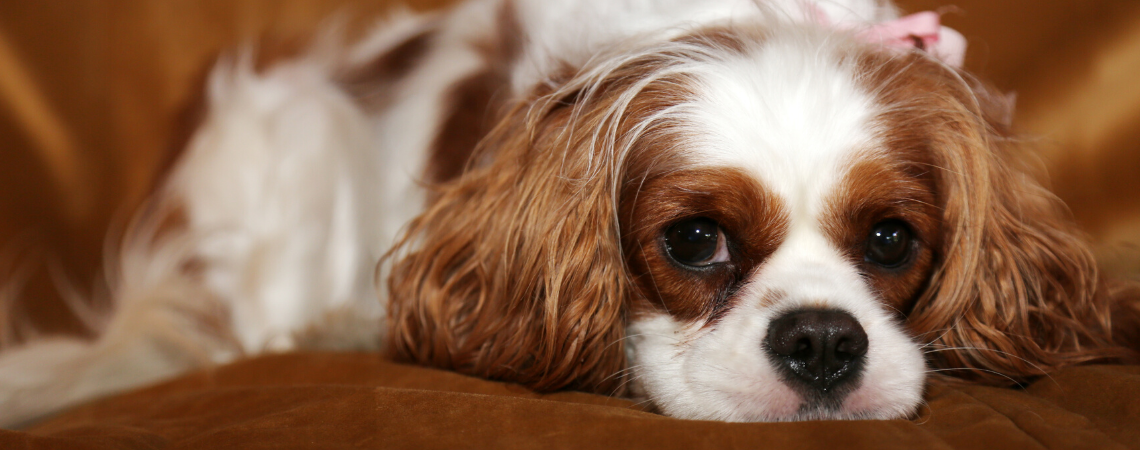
(803,346)
(822,348)
(850,348)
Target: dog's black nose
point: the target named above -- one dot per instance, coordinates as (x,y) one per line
(822,349)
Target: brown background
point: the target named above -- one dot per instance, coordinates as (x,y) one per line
(92,94)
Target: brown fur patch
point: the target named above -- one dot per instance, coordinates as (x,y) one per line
(753,220)
(518,275)
(370,83)
(470,105)
(876,190)
(474,104)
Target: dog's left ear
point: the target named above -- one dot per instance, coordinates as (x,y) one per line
(514,272)
(1016,293)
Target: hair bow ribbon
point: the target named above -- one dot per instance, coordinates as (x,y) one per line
(923,31)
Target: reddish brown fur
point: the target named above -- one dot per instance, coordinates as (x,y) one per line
(370,83)
(753,220)
(883,188)
(515,279)
(474,103)
(1016,293)
(470,102)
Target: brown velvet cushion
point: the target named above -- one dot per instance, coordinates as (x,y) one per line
(326,400)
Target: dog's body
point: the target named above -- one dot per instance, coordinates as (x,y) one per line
(564,151)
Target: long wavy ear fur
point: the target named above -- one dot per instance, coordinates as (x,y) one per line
(1017,293)
(515,272)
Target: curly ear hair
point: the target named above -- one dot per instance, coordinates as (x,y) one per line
(1017,293)
(516,273)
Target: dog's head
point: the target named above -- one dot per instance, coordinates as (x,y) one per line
(748,223)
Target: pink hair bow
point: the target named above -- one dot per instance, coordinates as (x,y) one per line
(923,31)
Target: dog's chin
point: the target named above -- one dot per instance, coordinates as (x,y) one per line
(735,407)
(697,377)
(745,407)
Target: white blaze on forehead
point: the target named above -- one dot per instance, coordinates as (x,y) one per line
(554,41)
(789,111)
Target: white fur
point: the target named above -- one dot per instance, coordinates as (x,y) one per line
(292,191)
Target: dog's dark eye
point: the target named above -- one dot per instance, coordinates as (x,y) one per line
(696,242)
(889,243)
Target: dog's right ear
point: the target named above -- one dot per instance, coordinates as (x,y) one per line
(1016,293)
(514,271)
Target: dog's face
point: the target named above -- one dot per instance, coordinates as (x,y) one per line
(741,224)
(776,236)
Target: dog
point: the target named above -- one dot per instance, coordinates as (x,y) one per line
(736,210)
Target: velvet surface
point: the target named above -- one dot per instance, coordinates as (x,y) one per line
(329,400)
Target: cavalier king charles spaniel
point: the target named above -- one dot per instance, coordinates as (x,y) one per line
(740,210)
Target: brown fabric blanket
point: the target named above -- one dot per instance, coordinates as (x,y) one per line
(332,400)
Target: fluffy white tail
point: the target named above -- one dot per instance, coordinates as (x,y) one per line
(164,323)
